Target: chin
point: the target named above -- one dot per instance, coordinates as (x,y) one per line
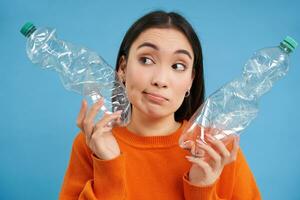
(157,114)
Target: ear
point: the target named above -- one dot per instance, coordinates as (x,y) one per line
(122,68)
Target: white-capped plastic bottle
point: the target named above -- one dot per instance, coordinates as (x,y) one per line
(231,108)
(80,69)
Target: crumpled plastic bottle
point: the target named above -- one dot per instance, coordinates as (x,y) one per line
(80,69)
(231,108)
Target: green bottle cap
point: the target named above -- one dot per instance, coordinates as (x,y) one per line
(27,29)
(290,43)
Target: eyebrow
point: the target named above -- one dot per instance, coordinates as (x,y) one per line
(179,51)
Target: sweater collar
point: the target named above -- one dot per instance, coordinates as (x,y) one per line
(136,140)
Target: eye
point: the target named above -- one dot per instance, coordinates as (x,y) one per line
(179,67)
(146,61)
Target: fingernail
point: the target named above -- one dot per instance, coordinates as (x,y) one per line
(119,111)
(199,141)
(189,157)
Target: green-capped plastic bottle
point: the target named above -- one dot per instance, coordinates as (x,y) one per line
(80,69)
(231,108)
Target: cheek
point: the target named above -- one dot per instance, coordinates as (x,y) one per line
(180,88)
(181,85)
(136,79)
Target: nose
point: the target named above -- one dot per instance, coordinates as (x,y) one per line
(160,77)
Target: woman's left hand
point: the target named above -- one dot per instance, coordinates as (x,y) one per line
(206,170)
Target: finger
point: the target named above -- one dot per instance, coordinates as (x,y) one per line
(104,122)
(216,158)
(235,149)
(119,120)
(201,163)
(101,132)
(94,110)
(88,122)
(82,114)
(195,150)
(187,145)
(220,147)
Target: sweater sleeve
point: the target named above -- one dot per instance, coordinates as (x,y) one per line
(245,185)
(235,183)
(89,178)
(193,192)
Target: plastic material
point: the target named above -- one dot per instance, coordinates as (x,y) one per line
(80,69)
(231,109)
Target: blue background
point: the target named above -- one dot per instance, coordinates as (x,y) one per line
(38,117)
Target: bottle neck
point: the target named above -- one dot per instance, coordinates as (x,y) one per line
(285,48)
(31,31)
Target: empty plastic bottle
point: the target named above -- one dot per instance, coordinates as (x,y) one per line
(231,108)
(80,69)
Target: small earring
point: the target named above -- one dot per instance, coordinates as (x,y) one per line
(123,81)
(187,93)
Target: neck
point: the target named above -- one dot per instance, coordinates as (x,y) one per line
(146,126)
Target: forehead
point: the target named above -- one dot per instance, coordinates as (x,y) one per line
(164,38)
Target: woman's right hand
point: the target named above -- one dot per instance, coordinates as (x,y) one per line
(99,137)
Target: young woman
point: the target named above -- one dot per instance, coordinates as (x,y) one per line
(160,63)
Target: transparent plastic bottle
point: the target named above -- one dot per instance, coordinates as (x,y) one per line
(231,108)
(80,70)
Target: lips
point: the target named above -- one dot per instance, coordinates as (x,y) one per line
(155,95)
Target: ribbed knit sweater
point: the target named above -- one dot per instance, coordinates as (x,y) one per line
(149,168)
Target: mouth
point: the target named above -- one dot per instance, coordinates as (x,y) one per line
(155,96)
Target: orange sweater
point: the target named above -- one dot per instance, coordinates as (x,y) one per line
(149,168)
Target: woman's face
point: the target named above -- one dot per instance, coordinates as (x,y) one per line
(158,71)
